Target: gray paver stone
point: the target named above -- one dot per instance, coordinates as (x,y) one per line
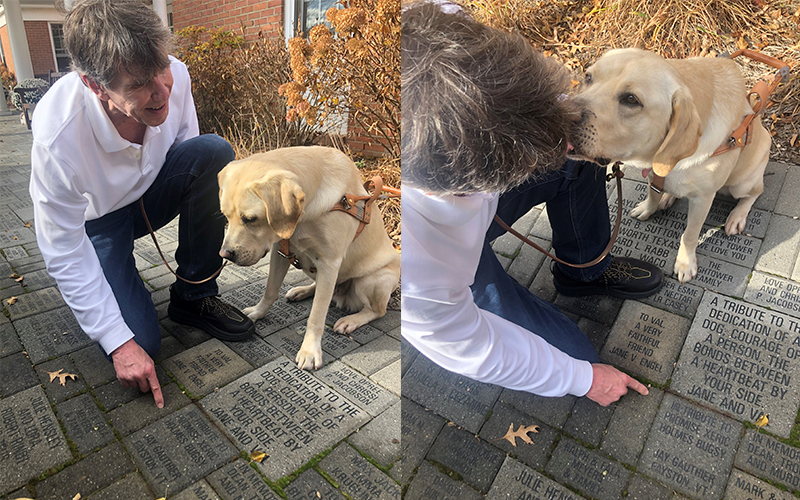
(588,471)
(542,285)
(779,249)
(518,481)
(93,366)
(178,450)
(735,249)
(407,355)
(600,308)
(720,276)
(738,358)
(690,448)
(552,411)
(206,367)
(768,458)
(9,340)
(626,433)
(51,334)
(419,429)
(645,341)
(238,481)
(308,484)
(254,350)
(362,391)
(357,477)
(429,483)
(200,490)
(36,302)
(142,411)
(774,292)
(131,486)
(373,356)
(93,473)
(380,438)
(55,391)
(389,378)
(32,437)
(742,486)
(676,297)
(497,426)
(462,400)
(476,460)
(85,424)
(774,175)
(588,420)
(787,200)
(16,374)
(285,412)
(642,488)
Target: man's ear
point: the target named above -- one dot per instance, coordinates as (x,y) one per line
(95,87)
(284,199)
(683,135)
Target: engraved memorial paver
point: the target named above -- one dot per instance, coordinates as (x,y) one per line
(280,315)
(357,477)
(588,471)
(774,292)
(476,460)
(36,302)
(690,448)
(600,308)
(205,367)
(496,427)
(418,429)
(365,393)
(178,450)
(84,423)
(736,248)
(462,400)
(285,412)
(743,486)
(645,341)
(30,438)
(722,277)
(757,220)
(766,457)
(52,334)
(518,481)
(629,426)
(676,297)
(429,483)
(198,491)
(740,359)
(239,481)
(310,485)
(333,343)
(254,350)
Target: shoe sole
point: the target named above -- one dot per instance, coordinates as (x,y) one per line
(585,291)
(191,319)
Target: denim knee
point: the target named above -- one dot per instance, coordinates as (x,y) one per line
(216,151)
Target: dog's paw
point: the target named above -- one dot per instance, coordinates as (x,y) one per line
(736,222)
(666,201)
(642,211)
(254,313)
(300,292)
(347,325)
(308,359)
(685,268)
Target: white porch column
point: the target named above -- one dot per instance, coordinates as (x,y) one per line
(160,6)
(19,42)
(3,107)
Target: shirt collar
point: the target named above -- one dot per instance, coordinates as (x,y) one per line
(104,130)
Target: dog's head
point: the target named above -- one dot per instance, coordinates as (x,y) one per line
(635,107)
(261,209)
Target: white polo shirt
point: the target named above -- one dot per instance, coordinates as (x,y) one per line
(442,243)
(82,170)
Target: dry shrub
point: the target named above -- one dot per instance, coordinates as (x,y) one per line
(354,70)
(577,32)
(235,88)
(389,170)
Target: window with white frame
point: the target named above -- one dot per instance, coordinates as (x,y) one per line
(59,50)
(312,12)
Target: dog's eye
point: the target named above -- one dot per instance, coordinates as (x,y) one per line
(630,100)
(248,219)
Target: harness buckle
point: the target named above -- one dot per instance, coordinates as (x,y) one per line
(345,203)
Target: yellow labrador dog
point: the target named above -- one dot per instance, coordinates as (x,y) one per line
(287,194)
(673,114)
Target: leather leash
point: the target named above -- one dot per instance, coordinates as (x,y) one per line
(615,173)
(153,235)
(743,134)
(348,205)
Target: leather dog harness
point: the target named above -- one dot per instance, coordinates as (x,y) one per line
(743,134)
(349,204)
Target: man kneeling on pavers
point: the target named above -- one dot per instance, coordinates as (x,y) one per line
(485,128)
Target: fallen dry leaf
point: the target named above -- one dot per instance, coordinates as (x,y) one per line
(762,420)
(78,496)
(258,456)
(13,275)
(20,279)
(521,433)
(62,377)
(11,301)
(28,224)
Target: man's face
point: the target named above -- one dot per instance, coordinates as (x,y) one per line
(146,102)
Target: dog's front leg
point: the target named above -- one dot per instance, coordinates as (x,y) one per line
(310,354)
(686,262)
(647,207)
(278,266)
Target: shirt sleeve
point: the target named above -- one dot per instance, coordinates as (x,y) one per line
(68,253)
(440,318)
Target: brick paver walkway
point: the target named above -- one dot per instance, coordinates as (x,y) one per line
(333,433)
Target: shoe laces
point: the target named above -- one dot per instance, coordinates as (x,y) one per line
(214,305)
(621,272)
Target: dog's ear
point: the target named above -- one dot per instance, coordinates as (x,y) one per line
(683,136)
(284,200)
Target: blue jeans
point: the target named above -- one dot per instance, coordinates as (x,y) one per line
(578,213)
(186,185)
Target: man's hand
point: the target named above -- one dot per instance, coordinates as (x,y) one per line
(610,384)
(135,368)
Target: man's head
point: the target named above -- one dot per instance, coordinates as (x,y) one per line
(481,109)
(120,49)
